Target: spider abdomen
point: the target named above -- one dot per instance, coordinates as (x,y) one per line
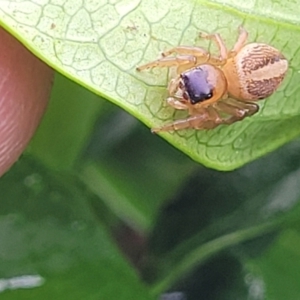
(255,72)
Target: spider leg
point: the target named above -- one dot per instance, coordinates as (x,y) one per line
(182,62)
(177,104)
(187,50)
(206,118)
(242,38)
(231,110)
(250,108)
(214,119)
(237,110)
(190,122)
(173,85)
(221,60)
(200,54)
(211,116)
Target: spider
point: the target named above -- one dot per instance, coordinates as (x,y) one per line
(220,89)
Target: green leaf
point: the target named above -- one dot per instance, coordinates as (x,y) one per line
(52,246)
(282,258)
(240,211)
(99,45)
(136,186)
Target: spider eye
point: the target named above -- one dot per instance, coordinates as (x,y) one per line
(197,86)
(208,96)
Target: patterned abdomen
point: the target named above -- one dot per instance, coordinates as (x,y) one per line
(255,72)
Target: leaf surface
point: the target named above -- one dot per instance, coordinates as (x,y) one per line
(99,44)
(53,246)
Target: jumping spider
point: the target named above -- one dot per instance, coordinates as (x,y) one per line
(220,89)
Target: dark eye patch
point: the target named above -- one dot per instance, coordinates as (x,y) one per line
(196,85)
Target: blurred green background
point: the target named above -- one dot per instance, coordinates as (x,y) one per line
(100,208)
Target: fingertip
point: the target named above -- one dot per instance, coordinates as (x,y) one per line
(25,86)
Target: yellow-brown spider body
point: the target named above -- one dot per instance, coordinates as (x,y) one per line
(220,89)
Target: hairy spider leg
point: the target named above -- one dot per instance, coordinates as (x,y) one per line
(182,62)
(215,37)
(242,38)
